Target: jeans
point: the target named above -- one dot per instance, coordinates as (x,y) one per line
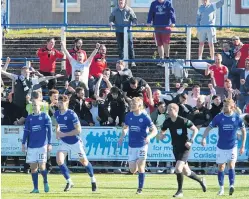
(120,41)
(243,100)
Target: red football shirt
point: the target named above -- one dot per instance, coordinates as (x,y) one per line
(219,74)
(98,65)
(244,54)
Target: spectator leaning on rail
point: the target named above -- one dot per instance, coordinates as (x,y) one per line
(120,17)
(244,84)
(78,43)
(241,51)
(206,17)
(48,56)
(162,13)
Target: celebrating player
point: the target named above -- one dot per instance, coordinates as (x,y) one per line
(37,134)
(68,129)
(181,145)
(137,122)
(228,123)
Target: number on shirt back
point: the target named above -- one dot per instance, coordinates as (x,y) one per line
(41,156)
(142,153)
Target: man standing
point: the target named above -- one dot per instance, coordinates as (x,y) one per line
(228,123)
(37,135)
(206,17)
(48,56)
(220,74)
(120,17)
(73,52)
(162,13)
(178,127)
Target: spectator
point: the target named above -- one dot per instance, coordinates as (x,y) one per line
(78,104)
(162,13)
(101,96)
(184,109)
(246,118)
(206,16)
(22,87)
(48,56)
(53,102)
(134,88)
(229,92)
(220,73)
(77,83)
(216,106)
(156,100)
(247,110)
(200,114)
(120,17)
(105,83)
(115,100)
(3,21)
(244,84)
(227,56)
(80,65)
(159,115)
(99,63)
(78,43)
(121,75)
(241,51)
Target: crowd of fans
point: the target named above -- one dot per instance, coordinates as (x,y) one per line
(101,96)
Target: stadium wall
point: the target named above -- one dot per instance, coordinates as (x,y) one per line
(88,12)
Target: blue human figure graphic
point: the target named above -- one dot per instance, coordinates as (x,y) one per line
(96,143)
(89,142)
(114,142)
(102,142)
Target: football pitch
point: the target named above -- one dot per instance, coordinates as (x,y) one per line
(18,186)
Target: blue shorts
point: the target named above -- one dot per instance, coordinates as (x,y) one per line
(207,33)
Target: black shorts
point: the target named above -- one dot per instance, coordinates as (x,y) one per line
(181,155)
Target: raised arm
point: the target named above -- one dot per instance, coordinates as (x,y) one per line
(44,78)
(90,58)
(63,48)
(9,75)
(96,91)
(218,4)
(5,67)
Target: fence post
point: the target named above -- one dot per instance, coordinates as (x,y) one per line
(188,43)
(167,86)
(63,40)
(1,44)
(125,49)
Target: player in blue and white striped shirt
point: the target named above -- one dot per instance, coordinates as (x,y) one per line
(68,129)
(228,123)
(37,134)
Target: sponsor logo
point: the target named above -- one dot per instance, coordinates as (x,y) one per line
(141,120)
(11,130)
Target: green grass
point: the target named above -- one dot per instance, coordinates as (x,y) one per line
(18,186)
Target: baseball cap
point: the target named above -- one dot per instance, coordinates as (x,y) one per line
(235,38)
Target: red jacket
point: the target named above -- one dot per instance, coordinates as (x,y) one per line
(73,53)
(98,65)
(147,101)
(244,54)
(47,61)
(247,109)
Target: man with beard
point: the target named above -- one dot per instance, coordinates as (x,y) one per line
(99,63)
(73,52)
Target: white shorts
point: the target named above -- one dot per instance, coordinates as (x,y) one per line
(37,155)
(207,33)
(224,156)
(138,153)
(75,151)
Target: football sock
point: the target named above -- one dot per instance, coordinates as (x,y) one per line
(35,179)
(141,177)
(44,174)
(89,169)
(179,181)
(221,178)
(64,171)
(194,177)
(231,174)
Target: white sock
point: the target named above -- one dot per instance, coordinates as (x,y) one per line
(93,179)
(69,181)
(199,58)
(222,188)
(231,185)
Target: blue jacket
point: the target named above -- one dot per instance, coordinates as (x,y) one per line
(206,14)
(244,89)
(161,13)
